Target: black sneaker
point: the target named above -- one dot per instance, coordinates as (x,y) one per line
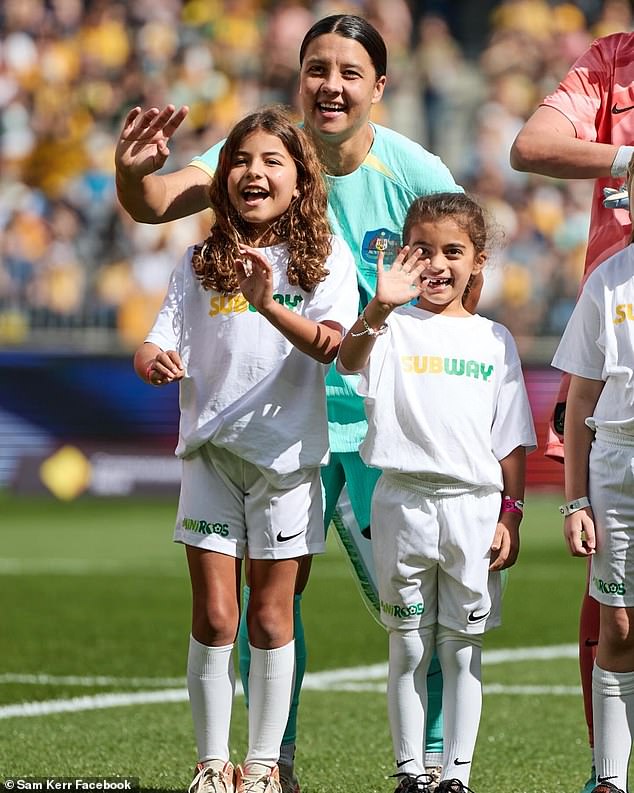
(607,787)
(410,783)
(452,786)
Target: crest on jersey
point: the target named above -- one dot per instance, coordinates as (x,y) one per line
(380,240)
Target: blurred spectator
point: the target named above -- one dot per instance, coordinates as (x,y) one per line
(71,262)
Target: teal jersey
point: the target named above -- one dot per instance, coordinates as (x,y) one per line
(367,208)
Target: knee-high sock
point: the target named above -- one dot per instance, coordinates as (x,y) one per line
(270,687)
(433,720)
(211,683)
(244,652)
(588,641)
(290,733)
(460,658)
(613,701)
(410,654)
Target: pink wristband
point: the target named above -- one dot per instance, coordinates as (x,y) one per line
(148,372)
(512,505)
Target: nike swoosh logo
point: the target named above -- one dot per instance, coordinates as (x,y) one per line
(616,109)
(473,617)
(281,538)
(602,779)
(461,762)
(398,765)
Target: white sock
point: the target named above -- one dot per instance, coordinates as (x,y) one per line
(613,710)
(460,657)
(270,691)
(410,656)
(211,683)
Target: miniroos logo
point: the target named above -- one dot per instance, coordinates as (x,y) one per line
(201,526)
(608,588)
(402,612)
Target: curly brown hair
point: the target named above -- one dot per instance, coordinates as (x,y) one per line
(304,226)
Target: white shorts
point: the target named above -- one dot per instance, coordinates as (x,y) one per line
(611,489)
(227,504)
(431,552)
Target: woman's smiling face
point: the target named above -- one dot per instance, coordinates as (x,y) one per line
(338,86)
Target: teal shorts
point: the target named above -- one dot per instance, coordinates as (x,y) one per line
(347,468)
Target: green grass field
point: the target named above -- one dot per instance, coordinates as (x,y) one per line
(94,624)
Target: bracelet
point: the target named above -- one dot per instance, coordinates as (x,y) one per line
(621,161)
(148,373)
(574,506)
(512,505)
(368,330)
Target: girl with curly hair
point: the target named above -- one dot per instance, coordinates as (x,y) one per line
(252,319)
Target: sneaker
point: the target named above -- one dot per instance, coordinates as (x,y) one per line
(410,783)
(433,772)
(606,787)
(288,780)
(214,776)
(452,786)
(258,778)
(591,782)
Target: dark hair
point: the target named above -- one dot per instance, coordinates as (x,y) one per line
(304,226)
(349,26)
(467,213)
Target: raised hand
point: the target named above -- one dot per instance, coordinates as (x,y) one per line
(401,283)
(142,147)
(255,277)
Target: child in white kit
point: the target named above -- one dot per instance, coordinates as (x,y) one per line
(251,320)
(449,424)
(597,350)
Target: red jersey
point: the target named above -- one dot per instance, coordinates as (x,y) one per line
(597,97)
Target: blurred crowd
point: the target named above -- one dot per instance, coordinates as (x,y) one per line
(462,78)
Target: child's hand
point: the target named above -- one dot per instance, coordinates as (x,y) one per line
(506,544)
(166,368)
(579,532)
(255,277)
(401,283)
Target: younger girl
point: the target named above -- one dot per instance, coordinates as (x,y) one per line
(251,319)
(449,425)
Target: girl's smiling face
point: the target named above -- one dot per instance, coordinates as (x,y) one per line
(451,261)
(262,179)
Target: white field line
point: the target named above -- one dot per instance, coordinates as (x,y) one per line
(82,567)
(359,679)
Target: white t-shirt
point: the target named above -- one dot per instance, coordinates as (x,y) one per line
(247,388)
(445,397)
(598,342)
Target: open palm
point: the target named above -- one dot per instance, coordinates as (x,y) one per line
(255,277)
(401,283)
(142,146)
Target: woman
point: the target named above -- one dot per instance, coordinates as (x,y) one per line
(373,174)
